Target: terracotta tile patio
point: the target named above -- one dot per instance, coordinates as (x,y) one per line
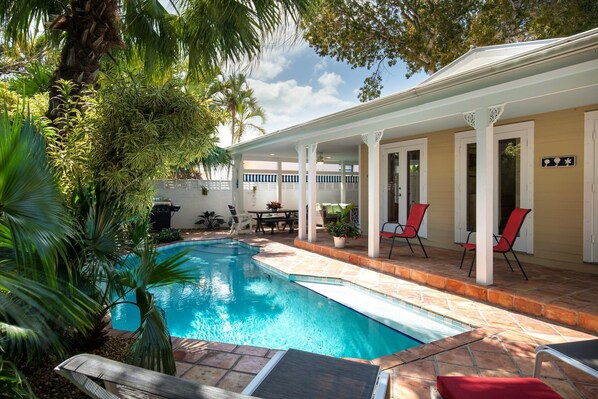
(564,296)
(502,345)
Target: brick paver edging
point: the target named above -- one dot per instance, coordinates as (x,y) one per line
(495,296)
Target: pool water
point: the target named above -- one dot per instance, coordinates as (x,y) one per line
(234,300)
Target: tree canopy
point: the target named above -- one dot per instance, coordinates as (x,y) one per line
(206,33)
(142,130)
(429,34)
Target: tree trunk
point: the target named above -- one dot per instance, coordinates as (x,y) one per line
(92,29)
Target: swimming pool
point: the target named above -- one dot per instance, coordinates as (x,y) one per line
(235,300)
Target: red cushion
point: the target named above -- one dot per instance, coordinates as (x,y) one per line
(494,388)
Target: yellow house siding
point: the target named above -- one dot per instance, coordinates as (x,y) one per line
(558,192)
(441,188)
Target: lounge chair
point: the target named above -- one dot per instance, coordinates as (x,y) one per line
(289,374)
(457,387)
(241,221)
(582,355)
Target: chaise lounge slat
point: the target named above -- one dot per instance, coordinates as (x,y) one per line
(296,374)
(81,369)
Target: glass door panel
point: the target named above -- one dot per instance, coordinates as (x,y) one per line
(393,187)
(509,173)
(509,181)
(402,180)
(413,179)
(470,189)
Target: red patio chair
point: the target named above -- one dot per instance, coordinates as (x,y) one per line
(410,230)
(506,242)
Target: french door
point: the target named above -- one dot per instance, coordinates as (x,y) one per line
(513,180)
(590,209)
(403,180)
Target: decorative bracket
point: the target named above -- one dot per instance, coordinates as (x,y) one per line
(372,138)
(494,112)
(469,118)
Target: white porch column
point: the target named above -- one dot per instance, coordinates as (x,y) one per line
(373,142)
(343,184)
(237,183)
(301,201)
(482,119)
(311,191)
(279,182)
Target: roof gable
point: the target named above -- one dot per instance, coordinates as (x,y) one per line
(478,57)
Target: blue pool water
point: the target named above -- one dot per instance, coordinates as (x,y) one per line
(236,301)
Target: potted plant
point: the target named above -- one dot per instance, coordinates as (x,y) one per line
(274,205)
(342,228)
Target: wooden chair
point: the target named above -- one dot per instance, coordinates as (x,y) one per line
(506,241)
(409,230)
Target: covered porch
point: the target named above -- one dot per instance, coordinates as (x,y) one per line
(537,93)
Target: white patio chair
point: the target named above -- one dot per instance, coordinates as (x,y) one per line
(242,222)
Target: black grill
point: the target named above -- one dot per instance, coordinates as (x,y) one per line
(162,212)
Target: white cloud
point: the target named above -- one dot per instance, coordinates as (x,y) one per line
(320,66)
(270,66)
(278,54)
(330,81)
(288,103)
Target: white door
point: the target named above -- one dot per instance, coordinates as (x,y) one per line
(403,180)
(590,206)
(513,180)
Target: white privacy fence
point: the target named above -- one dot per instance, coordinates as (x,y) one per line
(189,194)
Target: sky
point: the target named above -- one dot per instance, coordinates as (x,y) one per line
(294,85)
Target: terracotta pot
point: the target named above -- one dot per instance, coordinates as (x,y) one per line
(339,242)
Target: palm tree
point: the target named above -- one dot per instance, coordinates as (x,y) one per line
(239,104)
(33,227)
(208,32)
(247,111)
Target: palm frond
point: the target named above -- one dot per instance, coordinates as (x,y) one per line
(27,306)
(30,205)
(152,348)
(12,382)
(229,31)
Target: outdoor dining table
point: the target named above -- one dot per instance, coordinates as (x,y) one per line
(265,216)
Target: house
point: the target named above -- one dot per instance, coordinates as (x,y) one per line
(501,127)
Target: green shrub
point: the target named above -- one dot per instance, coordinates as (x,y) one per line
(167,235)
